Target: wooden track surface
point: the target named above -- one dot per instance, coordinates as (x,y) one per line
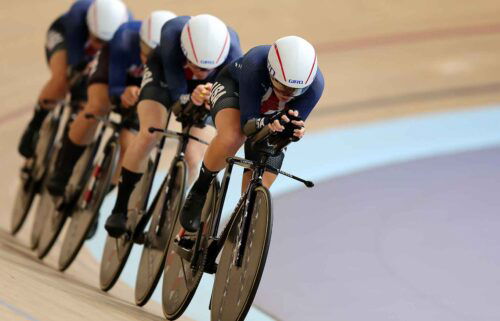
(381,59)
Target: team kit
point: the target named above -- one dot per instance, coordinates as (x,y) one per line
(99,126)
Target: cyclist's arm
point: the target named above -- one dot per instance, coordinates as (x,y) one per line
(118,65)
(305,103)
(235,51)
(76,31)
(172,57)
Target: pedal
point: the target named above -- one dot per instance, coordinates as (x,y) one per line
(183,252)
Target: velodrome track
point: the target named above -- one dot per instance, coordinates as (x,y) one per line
(382,60)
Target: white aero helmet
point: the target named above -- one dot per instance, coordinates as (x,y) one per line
(151,28)
(105,16)
(293,63)
(205,41)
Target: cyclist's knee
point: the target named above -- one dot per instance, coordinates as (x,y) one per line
(230,138)
(147,139)
(194,156)
(98,103)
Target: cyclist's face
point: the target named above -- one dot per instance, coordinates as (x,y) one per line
(282,92)
(199,73)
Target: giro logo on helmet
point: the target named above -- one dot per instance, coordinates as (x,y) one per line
(293,81)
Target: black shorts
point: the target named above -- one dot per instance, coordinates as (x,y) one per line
(225,92)
(99,73)
(154,86)
(55,39)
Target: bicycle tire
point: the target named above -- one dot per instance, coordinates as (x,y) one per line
(44,205)
(156,246)
(82,218)
(29,187)
(178,291)
(55,219)
(235,287)
(117,250)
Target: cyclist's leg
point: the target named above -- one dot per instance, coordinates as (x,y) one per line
(229,138)
(82,130)
(55,88)
(196,150)
(226,143)
(152,113)
(81,133)
(126,137)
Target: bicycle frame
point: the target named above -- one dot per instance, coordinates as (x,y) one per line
(247,199)
(181,149)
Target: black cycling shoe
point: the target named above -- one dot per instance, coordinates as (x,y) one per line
(57,182)
(116,224)
(93,229)
(191,211)
(28,141)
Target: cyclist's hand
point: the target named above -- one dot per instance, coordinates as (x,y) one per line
(299,132)
(276,126)
(201,95)
(130,96)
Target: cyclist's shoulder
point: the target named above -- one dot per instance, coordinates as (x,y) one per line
(255,59)
(126,37)
(318,84)
(79,7)
(173,27)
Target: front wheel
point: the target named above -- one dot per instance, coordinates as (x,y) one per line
(165,212)
(235,287)
(88,205)
(22,203)
(117,250)
(33,173)
(180,281)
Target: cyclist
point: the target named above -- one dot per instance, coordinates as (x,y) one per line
(72,41)
(115,80)
(244,98)
(181,69)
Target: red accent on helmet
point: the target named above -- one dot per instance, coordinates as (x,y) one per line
(312,67)
(281,64)
(223,47)
(191,41)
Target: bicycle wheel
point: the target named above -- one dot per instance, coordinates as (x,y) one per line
(55,219)
(180,281)
(117,250)
(88,205)
(45,205)
(164,215)
(235,287)
(22,203)
(30,180)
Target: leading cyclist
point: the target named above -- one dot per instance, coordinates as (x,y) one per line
(244,98)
